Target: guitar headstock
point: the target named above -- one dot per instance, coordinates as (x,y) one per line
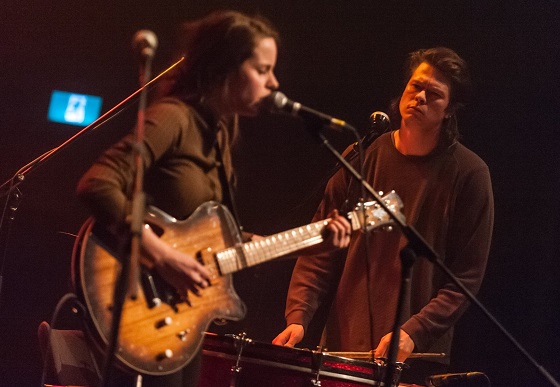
(370,215)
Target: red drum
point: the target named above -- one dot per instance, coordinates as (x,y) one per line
(239,362)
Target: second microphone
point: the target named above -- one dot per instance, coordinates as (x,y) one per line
(278,102)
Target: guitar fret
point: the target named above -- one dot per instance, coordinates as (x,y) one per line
(227,261)
(354,221)
(273,246)
(283,243)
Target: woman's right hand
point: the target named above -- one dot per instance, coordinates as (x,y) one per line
(178,269)
(290,336)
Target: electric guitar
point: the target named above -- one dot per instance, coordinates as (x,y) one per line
(161,331)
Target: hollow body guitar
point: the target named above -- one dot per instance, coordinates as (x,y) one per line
(161,331)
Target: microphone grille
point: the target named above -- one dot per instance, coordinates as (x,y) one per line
(275,102)
(379,118)
(144,40)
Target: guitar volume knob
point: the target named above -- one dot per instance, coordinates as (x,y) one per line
(167,354)
(164,322)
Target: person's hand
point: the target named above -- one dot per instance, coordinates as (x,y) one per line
(336,236)
(178,269)
(406,346)
(339,232)
(290,336)
(183,272)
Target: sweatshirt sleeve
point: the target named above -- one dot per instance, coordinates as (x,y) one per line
(107,187)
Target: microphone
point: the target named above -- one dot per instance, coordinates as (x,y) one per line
(379,121)
(477,379)
(278,102)
(145,43)
(379,124)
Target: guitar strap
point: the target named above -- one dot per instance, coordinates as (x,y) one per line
(226,186)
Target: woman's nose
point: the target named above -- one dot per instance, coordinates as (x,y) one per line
(273,83)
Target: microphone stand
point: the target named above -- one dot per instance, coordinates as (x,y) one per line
(10,207)
(129,275)
(139,197)
(416,246)
(10,188)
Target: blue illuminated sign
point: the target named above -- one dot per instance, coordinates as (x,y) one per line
(73,108)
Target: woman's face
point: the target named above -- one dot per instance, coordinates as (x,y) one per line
(254,80)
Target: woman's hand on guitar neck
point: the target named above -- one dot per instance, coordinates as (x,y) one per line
(178,269)
(336,235)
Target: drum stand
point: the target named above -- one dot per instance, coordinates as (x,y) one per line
(393,370)
(317,362)
(239,342)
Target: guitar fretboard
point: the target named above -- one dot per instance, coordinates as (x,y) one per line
(270,247)
(252,253)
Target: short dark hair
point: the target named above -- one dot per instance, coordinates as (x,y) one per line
(214,46)
(449,63)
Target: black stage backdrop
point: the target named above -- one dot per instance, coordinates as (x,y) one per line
(340,57)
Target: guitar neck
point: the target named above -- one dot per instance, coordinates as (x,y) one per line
(264,249)
(255,252)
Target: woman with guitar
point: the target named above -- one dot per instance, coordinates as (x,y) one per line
(228,69)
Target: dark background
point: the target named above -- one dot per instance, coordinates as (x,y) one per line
(340,57)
